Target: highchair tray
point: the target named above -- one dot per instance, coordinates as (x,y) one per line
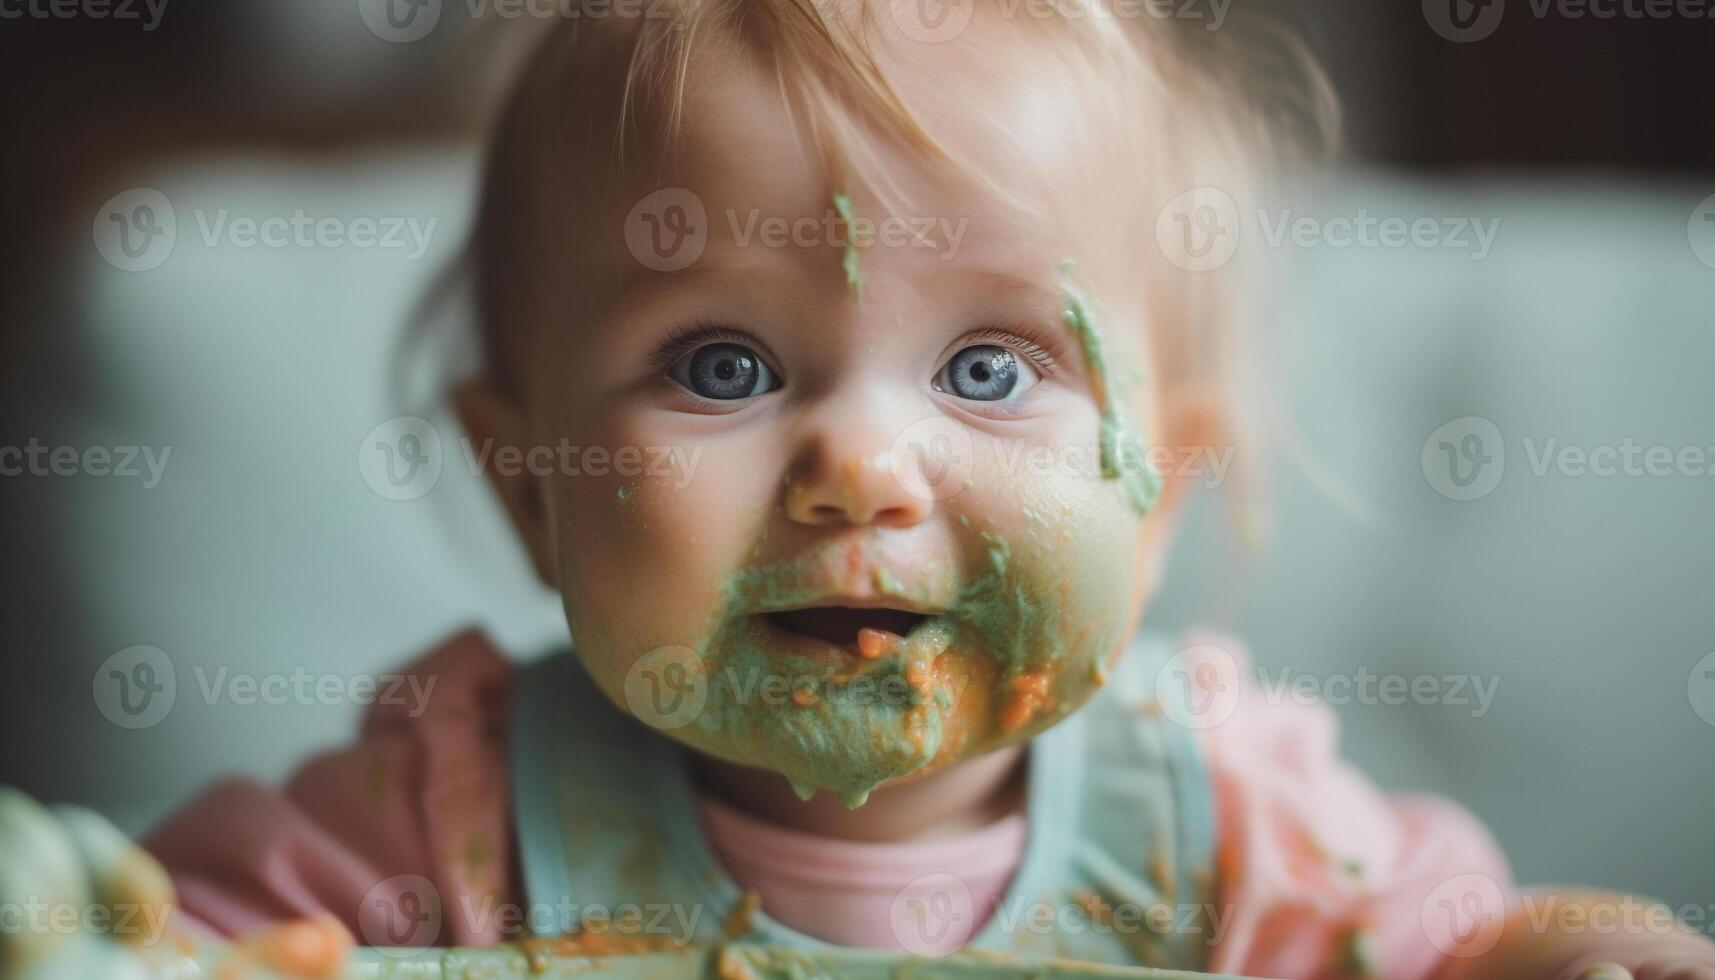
(729,961)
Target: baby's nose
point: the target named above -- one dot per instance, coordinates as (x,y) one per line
(852,481)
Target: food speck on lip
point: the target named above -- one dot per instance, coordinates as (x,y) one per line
(873,643)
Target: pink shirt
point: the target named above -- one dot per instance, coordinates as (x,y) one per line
(1313,863)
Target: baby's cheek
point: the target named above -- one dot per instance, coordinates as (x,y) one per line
(644,554)
(1060,551)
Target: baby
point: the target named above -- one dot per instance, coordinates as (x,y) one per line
(886,278)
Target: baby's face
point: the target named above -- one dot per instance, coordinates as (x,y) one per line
(868,530)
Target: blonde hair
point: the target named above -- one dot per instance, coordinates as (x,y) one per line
(596,111)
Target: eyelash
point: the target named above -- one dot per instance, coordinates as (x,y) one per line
(683,340)
(1022,338)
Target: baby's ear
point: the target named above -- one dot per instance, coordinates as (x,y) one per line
(1197,439)
(498,427)
(1190,453)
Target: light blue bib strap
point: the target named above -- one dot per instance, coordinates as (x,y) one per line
(1119,840)
(1141,865)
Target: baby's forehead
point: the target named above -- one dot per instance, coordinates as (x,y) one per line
(1017,160)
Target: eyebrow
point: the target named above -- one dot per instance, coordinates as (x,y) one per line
(1051,297)
(645,284)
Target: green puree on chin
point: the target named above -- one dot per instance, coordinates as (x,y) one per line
(846,731)
(1122,452)
(861,724)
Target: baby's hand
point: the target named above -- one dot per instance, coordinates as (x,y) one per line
(79,900)
(1638,940)
(1657,960)
(83,901)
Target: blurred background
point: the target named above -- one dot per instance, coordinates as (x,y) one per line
(1489,478)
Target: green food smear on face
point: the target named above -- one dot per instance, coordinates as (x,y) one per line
(849,261)
(1122,452)
(870,721)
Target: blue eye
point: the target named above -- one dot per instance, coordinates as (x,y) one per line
(985,373)
(724,372)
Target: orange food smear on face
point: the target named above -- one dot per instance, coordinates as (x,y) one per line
(1026,695)
(918,675)
(873,643)
(804,697)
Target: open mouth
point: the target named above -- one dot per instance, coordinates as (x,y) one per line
(841,626)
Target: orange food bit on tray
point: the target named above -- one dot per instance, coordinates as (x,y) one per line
(315,947)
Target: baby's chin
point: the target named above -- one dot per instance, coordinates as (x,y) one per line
(845,738)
